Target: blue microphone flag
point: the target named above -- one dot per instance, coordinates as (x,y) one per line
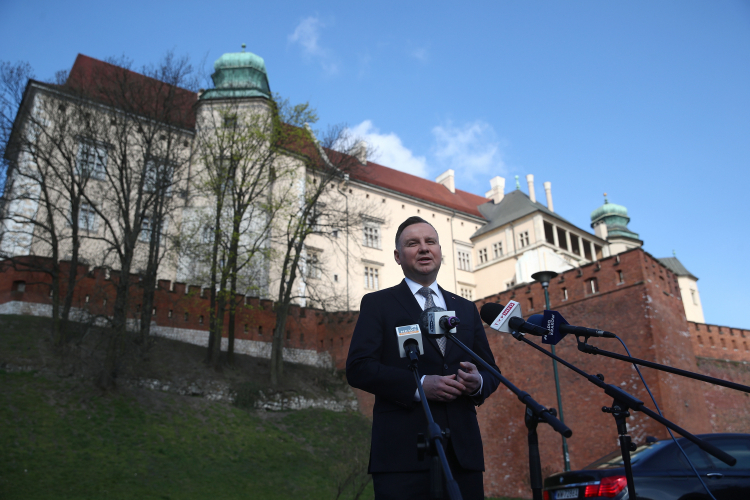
(552,321)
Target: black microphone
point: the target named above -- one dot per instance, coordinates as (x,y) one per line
(448,323)
(507,318)
(409,340)
(436,321)
(556,327)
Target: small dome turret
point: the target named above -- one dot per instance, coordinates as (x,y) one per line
(237,75)
(615,217)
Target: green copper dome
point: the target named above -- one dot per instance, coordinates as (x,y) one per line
(615,217)
(237,75)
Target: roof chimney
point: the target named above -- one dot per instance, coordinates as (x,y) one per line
(497,189)
(548,190)
(448,179)
(359,151)
(532,193)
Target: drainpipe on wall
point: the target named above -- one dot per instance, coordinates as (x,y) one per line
(346,197)
(453,250)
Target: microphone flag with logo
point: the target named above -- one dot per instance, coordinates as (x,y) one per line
(552,321)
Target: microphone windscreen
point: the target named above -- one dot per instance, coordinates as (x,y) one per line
(424,323)
(537,319)
(490,311)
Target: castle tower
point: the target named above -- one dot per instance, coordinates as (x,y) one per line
(610,222)
(238,75)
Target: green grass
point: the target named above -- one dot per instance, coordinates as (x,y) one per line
(62,441)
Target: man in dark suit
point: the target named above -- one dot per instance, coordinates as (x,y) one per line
(452,384)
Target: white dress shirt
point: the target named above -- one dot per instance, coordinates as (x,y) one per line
(439,302)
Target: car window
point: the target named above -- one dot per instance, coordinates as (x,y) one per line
(614,459)
(737,447)
(696,455)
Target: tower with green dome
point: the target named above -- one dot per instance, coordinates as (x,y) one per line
(238,75)
(610,222)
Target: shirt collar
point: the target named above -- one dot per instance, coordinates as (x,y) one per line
(415,287)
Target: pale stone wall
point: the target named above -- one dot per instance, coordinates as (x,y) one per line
(691,299)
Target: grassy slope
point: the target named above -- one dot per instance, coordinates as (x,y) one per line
(61,439)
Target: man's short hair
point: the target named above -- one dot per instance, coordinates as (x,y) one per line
(408,222)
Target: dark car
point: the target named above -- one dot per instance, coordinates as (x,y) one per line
(661,472)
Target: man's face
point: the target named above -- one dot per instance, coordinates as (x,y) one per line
(419,253)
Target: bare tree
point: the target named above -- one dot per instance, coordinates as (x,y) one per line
(318,208)
(50,163)
(242,148)
(145,132)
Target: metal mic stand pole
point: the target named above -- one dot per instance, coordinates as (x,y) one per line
(622,402)
(590,349)
(434,445)
(535,413)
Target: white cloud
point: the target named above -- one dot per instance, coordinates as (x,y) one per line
(307,36)
(389,150)
(421,54)
(472,150)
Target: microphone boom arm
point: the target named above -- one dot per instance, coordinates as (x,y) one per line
(590,349)
(539,411)
(629,401)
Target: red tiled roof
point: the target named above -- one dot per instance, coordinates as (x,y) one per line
(125,89)
(418,187)
(131,91)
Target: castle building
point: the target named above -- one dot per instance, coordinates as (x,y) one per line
(490,243)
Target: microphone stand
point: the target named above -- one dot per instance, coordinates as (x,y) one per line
(590,349)
(534,414)
(622,402)
(434,445)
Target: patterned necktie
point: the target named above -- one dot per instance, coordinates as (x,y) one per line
(429,302)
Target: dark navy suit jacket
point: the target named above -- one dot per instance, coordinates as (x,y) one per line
(374,365)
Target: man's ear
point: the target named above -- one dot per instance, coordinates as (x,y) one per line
(396,257)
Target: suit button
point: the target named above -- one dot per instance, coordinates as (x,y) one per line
(445,367)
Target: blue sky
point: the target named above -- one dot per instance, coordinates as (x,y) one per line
(648,101)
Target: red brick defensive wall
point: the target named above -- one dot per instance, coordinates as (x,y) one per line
(631,294)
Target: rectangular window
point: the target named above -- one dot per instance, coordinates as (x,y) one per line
(565,294)
(531,304)
(230,121)
(313,265)
(694,296)
(598,251)
(467,293)
(371,278)
(587,249)
(464,260)
(574,244)
(497,250)
(315,221)
(549,233)
(86,217)
(523,239)
(158,177)
(620,277)
(483,256)
(92,160)
(510,284)
(561,239)
(207,235)
(371,235)
(145,234)
(592,286)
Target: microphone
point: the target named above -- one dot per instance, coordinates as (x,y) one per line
(436,321)
(557,328)
(449,322)
(508,318)
(409,340)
